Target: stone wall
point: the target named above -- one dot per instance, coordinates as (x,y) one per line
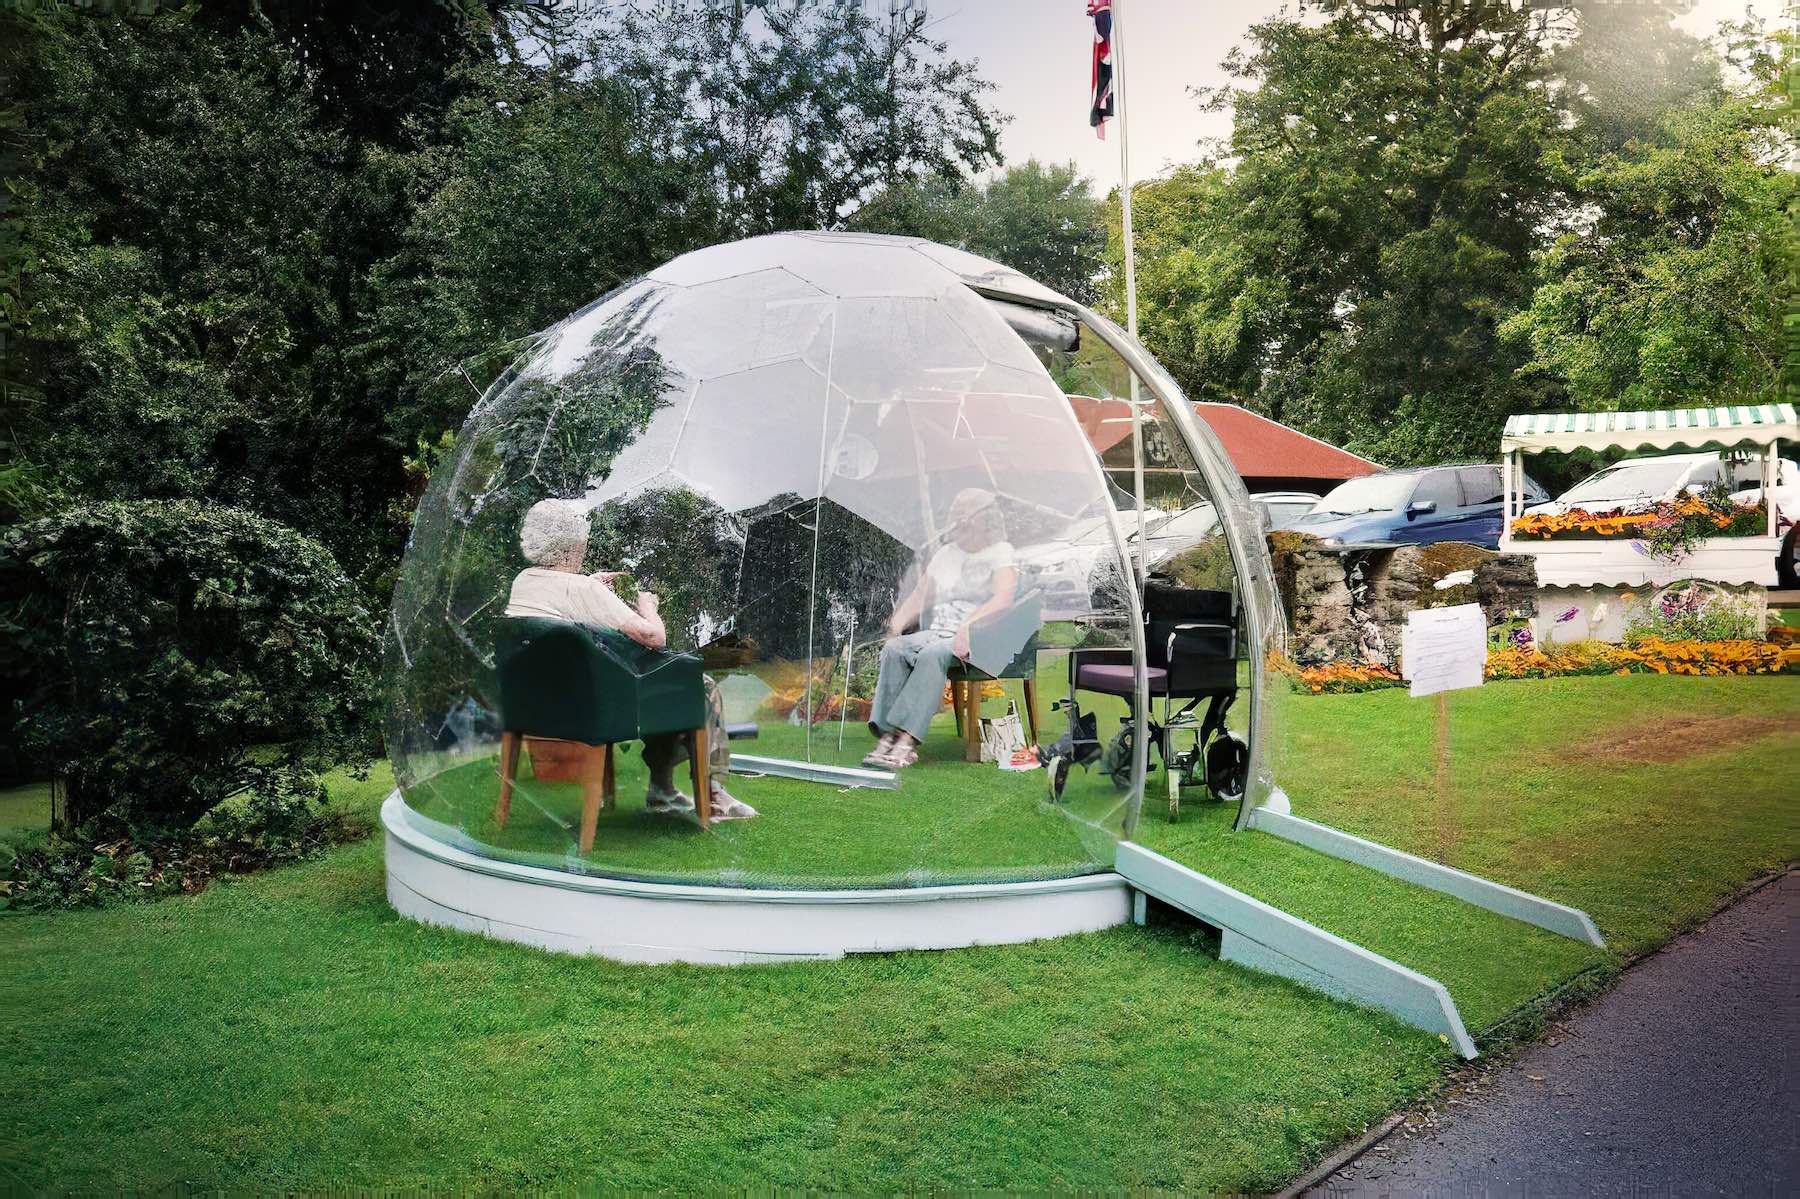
(1350,605)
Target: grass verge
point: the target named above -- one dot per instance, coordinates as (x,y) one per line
(288,1031)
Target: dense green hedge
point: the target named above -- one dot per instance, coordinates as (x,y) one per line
(172,655)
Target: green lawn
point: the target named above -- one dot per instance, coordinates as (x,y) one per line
(950,822)
(288,1031)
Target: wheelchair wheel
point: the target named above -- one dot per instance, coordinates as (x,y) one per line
(1227,767)
(1116,761)
(1056,772)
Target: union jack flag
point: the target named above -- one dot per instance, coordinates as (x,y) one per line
(1101,100)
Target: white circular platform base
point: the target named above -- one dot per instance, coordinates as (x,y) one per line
(436,883)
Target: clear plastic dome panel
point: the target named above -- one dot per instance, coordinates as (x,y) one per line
(837,470)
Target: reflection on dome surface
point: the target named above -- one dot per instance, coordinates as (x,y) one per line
(846,478)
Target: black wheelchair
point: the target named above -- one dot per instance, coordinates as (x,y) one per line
(1190,641)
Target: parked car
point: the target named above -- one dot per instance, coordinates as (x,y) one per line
(1279,507)
(1786,494)
(1421,506)
(1172,533)
(1637,483)
(1063,569)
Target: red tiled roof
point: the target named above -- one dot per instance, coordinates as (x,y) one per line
(1106,422)
(1260,447)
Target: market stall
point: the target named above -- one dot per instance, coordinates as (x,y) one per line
(1594,565)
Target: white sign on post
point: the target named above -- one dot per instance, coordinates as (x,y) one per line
(1442,649)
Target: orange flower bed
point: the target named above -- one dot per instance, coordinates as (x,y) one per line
(1339,677)
(1703,657)
(1583,658)
(1646,657)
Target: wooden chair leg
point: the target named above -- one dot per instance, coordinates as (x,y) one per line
(702,783)
(593,781)
(1031,709)
(972,722)
(608,781)
(509,770)
(956,704)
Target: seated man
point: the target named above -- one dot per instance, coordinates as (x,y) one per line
(554,539)
(966,580)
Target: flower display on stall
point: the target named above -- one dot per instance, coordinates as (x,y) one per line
(1667,529)
(1680,602)
(1696,610)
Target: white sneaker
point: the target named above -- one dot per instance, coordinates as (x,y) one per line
(665,801)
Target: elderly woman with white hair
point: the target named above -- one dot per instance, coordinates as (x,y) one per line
(971,577)
(554,539)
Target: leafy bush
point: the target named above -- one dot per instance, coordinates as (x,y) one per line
(96,871)
(176,655)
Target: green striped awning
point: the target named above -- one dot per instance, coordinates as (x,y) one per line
(1725,427)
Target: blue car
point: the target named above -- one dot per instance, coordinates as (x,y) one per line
(1414,507)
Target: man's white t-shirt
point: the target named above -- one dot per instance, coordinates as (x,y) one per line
(564,595)
(962,581)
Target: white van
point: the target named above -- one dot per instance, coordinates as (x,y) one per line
(1637,483)
(1786,494)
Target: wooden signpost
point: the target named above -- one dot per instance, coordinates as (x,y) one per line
(1442,649)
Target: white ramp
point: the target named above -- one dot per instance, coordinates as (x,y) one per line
(1262,937)
(1471,888)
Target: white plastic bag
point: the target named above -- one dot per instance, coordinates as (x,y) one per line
(1002,736)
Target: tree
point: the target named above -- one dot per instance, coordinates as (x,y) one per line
(1625,70)
(1442,214)
(543,194)
(1041,220)
(1393,170)
(1672,293)
(584,157)
(1194,296)
(378,72)
(798,114)
(198,232)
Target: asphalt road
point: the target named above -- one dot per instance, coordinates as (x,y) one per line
(1684,1079)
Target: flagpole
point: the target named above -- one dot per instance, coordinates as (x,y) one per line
(1137,425)
(1118,81)
(1140,741)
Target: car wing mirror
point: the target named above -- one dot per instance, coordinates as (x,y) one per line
(1420,508)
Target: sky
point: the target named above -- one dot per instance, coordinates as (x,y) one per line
(1039,53)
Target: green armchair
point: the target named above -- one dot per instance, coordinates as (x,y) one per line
(595,687)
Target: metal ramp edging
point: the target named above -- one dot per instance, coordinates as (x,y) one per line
(1262,937)
(1470,888)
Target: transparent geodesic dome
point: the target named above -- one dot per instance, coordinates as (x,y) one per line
(804,446)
